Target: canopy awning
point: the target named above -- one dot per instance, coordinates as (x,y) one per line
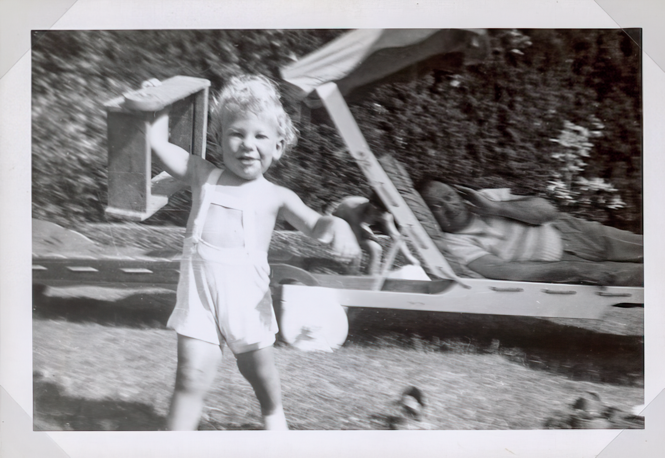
(365,56)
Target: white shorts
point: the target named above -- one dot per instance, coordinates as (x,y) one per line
(224,294)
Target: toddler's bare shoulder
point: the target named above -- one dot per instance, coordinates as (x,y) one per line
(280,193)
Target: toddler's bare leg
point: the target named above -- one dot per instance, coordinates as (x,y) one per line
(374,251)
(197,366)
(258,367)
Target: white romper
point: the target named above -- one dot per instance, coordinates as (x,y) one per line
(224,293)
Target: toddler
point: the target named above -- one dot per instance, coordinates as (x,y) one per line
(223,290)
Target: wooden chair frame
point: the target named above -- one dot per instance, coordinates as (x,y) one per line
(133,193)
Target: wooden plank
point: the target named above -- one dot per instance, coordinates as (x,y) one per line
(484,296)
(389,284)
(181,123)
(381,183)
(133,194)
(481,298)
(200,123)
(402,181)
(128,165)
(146,272)
(105,271)
(169,92)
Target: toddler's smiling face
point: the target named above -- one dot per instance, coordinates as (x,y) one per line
(249,144)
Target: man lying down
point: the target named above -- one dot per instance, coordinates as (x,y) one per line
(505,237)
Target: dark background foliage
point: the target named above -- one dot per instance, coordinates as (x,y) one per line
(487,125)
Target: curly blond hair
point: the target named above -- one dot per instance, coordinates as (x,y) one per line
(251,94)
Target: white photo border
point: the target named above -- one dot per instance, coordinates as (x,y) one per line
(15,227)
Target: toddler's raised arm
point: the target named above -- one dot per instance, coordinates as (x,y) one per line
(176,161)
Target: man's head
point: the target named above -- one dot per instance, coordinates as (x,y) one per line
(447,206)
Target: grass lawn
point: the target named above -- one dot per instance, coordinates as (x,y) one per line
(103,360)
(109,365)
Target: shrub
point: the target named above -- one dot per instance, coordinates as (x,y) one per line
(488,125)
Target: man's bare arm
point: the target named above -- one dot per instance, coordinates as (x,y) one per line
(529,210)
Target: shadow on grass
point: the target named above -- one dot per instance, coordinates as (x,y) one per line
(54,411)
(132,311)
(578,353)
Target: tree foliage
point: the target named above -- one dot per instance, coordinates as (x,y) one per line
(487,125)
